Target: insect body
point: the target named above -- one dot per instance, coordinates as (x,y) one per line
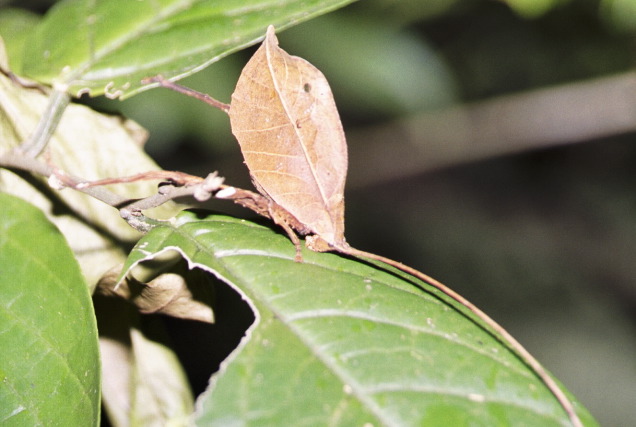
(287,124)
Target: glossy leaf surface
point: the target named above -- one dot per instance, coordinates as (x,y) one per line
(339,341)
(109,46)
(50,362)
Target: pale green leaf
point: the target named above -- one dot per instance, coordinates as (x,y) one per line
(533,8)
(86,144)
(162,394)
(109,46)
(15,26)
(50,370)
(144,383)
(340,341)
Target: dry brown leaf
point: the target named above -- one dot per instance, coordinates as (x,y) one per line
(181,293)
(286,122)
(284,116)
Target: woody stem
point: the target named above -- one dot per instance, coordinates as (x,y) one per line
(163,82)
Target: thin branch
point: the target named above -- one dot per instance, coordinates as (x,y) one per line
(163,82)
(58,101)
(57,178)
(212,185)
(179,185)
(503,335)
(538,119)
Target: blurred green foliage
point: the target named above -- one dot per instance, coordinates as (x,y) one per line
(542,241)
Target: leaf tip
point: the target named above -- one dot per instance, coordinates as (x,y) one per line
(270,35)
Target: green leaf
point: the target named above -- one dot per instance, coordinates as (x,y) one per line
(341,341)
(144,383)
(376,53)
(619,15)
(86,144)
(15,25)
(50,371)
(109,46)
(533,8)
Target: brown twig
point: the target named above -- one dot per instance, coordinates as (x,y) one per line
(179,185)
(176,185)
(58,179)
(163,82)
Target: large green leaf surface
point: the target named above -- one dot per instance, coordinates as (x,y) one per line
(50,370)
(109,46)
(339,341)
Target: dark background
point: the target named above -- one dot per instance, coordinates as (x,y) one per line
(490,147)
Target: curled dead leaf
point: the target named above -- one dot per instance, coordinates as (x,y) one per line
(182,293)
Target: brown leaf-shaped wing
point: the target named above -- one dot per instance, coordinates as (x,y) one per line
(286,122)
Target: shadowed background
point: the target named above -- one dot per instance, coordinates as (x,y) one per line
(491,146)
